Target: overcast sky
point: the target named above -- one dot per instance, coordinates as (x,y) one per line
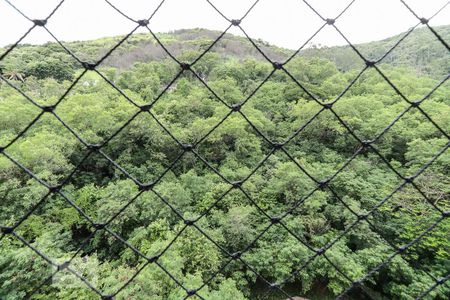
(286,23)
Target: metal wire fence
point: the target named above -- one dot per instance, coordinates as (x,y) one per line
(275,220)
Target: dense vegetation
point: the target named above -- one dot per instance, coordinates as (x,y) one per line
(94,110)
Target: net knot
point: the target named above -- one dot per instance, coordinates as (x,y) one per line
(153,259)
(107,297)
(401,249)
(236,255)
(54,188)
(277,146)
(236,184)
(236,107)
(424,21)
(145,107)
(277,65)
(189,222)
(63,266)
(88,66)
(415,103)
(99,226)
(40,22)
(370,63)
(409,179)
(275,220)
(94,147)
(191,292)
(323,184)
(146,186)
(235,22)
(356,283)
(187,147)
(330,21)
(327,105)
(362,217)
(48,108)
(366,143)
(143,23)
(185,66)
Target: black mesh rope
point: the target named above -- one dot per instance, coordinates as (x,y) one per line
(276,146)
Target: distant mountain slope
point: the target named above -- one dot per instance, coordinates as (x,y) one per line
(143,47)
(420,50)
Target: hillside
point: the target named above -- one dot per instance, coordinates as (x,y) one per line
(420,50)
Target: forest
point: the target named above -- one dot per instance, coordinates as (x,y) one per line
(199,160)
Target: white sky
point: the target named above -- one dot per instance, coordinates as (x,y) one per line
(287,23)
